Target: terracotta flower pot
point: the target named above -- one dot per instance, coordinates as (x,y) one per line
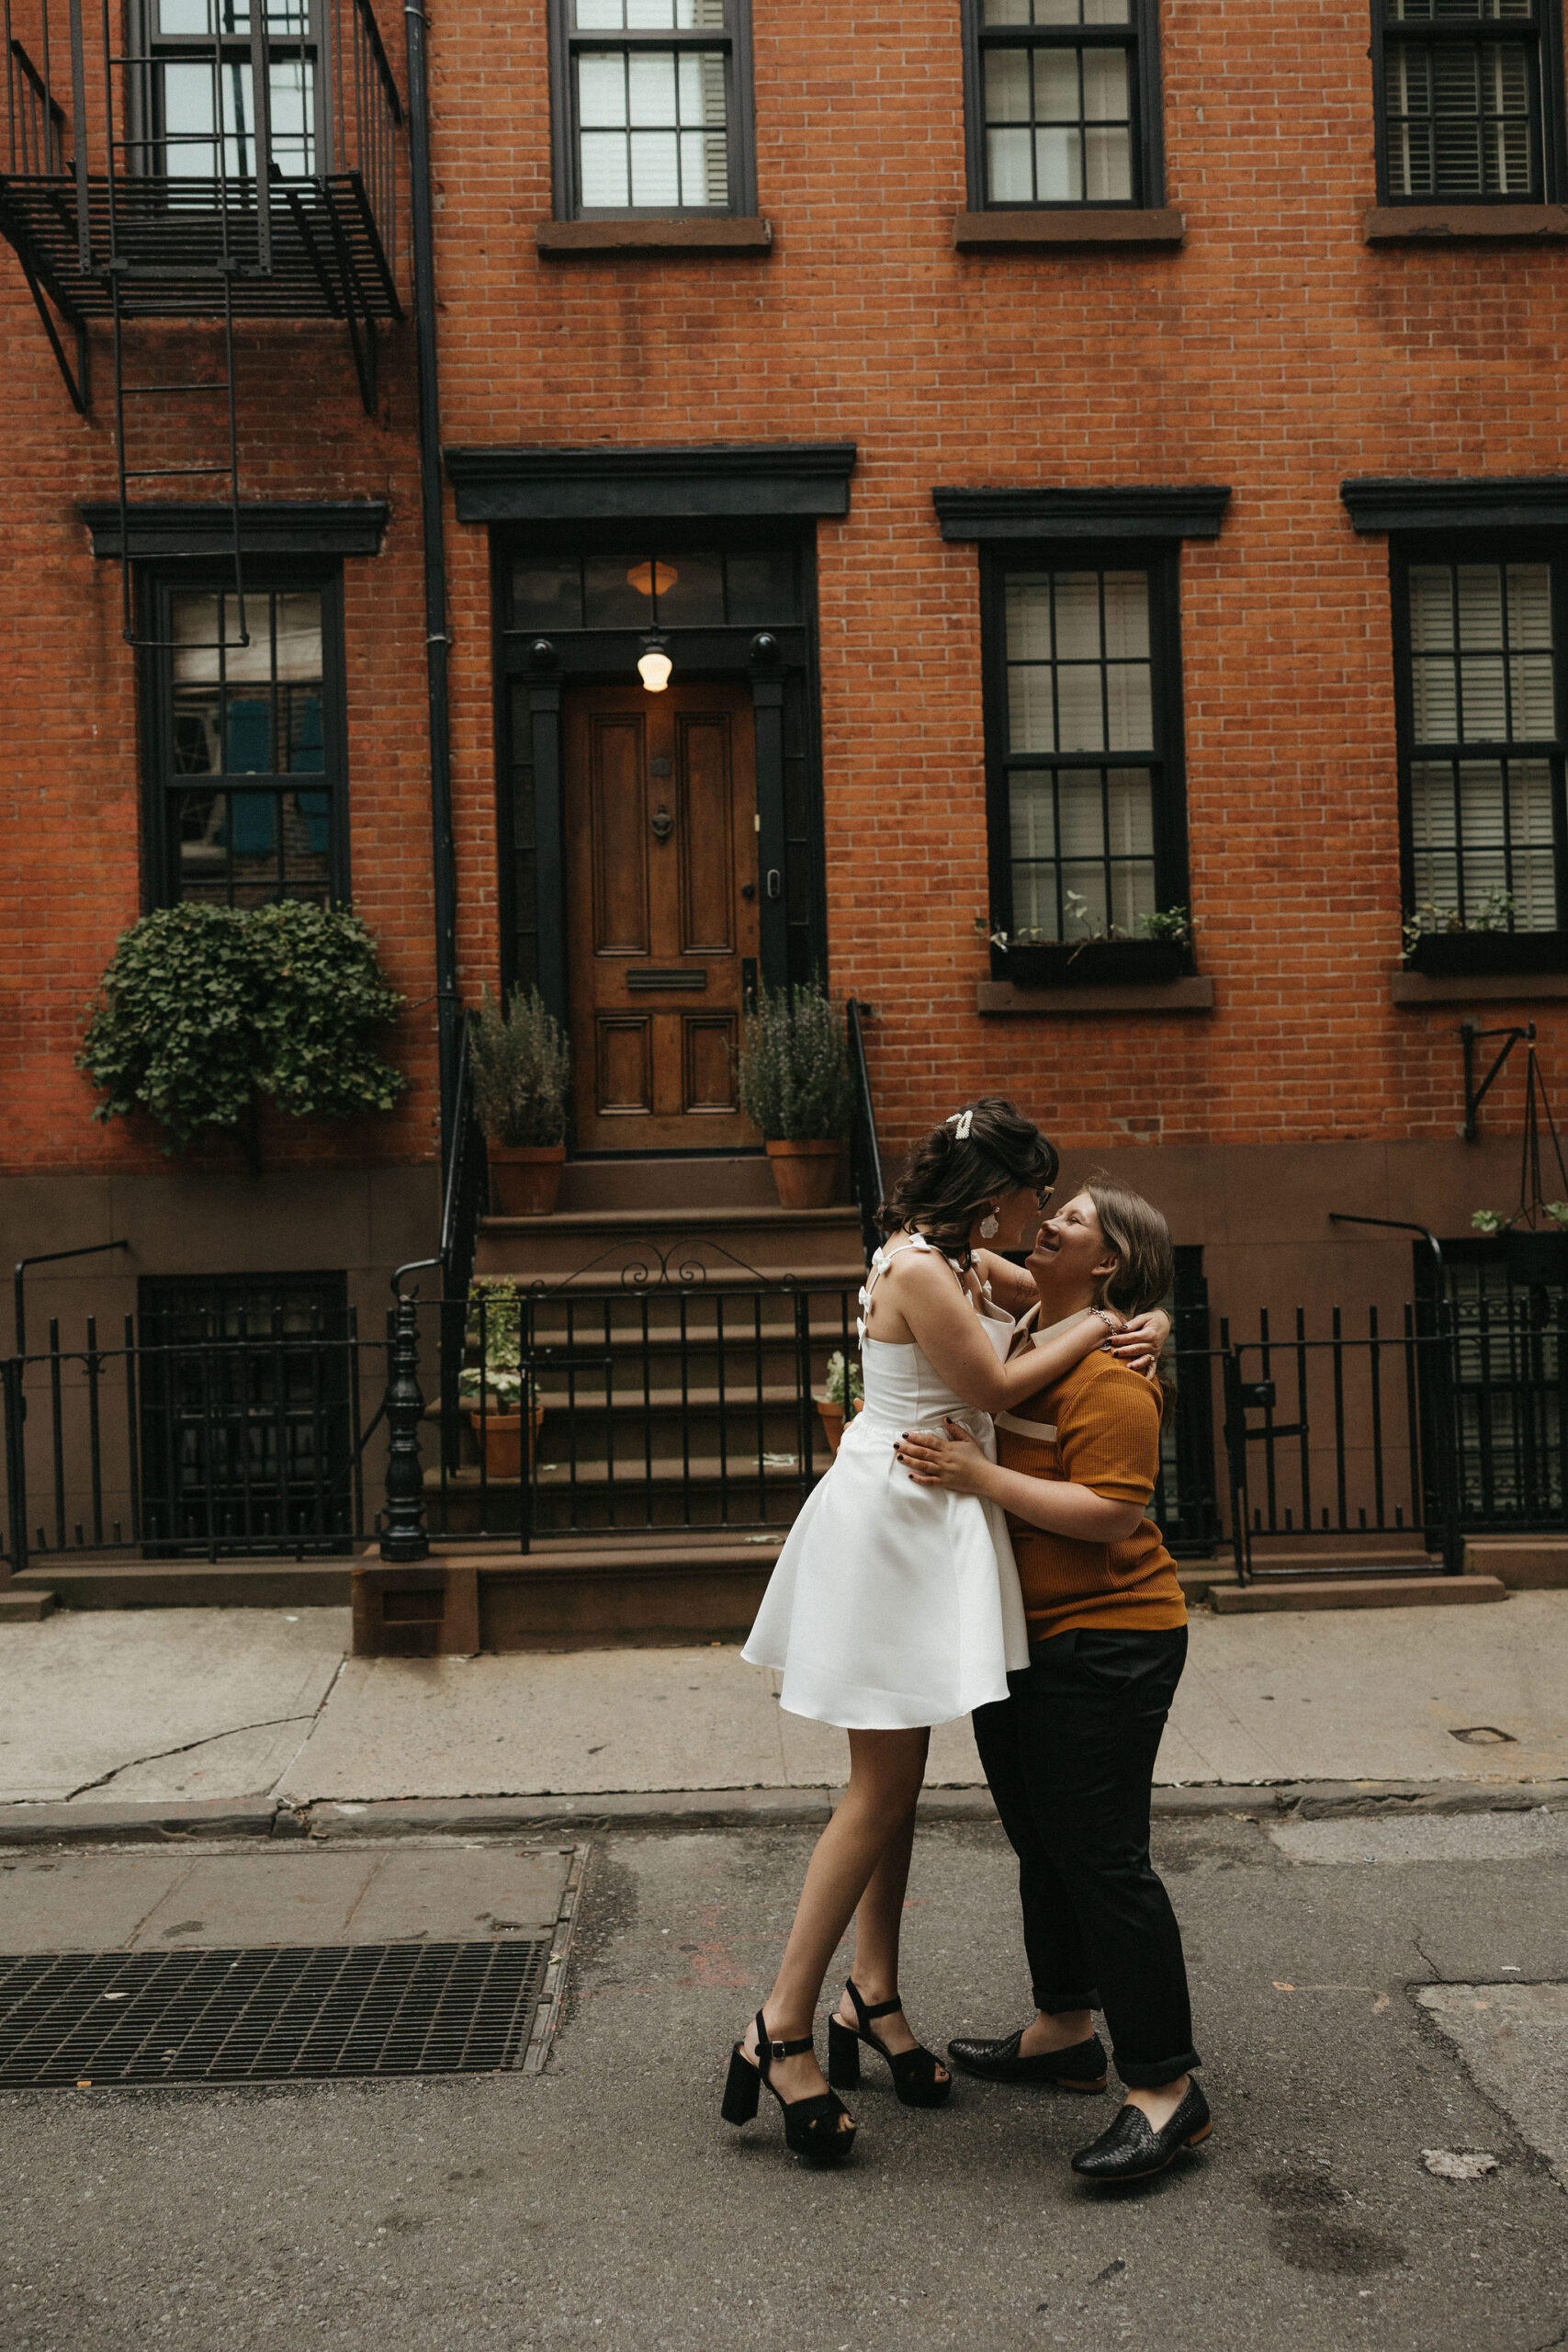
(806,1175)
(502,1437)
(833,1418)
(525,1178)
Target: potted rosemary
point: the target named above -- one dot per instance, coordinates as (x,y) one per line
(795,1087)
(492,1387)
(522,1067)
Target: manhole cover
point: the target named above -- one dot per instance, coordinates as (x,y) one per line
(269,2014)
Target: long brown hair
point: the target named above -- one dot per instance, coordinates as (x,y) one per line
(949,1179)
(1134,1229)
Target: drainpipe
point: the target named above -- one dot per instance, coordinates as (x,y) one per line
(444,876)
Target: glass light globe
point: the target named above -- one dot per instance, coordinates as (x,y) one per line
(654,669)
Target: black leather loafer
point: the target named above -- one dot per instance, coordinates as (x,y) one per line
(1130,2148)
(1080,2068)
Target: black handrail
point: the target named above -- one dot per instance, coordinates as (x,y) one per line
(865,1156)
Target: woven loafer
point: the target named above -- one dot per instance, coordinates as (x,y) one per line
(1130,2148)
(1080,2068)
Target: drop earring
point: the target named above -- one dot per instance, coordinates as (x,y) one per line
(988,1224)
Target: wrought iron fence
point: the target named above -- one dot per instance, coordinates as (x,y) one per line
(657,1393)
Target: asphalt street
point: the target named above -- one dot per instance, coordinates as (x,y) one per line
(603,2202)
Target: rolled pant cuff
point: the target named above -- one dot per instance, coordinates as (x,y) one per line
(1056,2005)
(1156,2073)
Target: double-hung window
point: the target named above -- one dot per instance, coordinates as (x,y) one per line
(1064,103)
(1083,739)
(1480,645)
(192,95)
(245,743)
(1468,100)
(652,108)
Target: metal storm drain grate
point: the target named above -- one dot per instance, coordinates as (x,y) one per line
(267,2015)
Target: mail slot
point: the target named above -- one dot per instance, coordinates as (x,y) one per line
(639,978)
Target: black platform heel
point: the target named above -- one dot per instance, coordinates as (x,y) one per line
(811,2125)
(918,2077)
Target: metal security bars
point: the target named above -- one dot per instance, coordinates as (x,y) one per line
(1461,101)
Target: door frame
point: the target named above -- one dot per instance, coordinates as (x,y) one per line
(781,664)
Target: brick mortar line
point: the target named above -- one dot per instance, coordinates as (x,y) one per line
(215,1820)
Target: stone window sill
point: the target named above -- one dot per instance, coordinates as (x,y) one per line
(1093,228)
(1493,988)
(1193,994)
(1452,224)
(727,235)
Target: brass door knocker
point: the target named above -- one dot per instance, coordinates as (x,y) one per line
(663,824)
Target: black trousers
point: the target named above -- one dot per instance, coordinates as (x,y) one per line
(1070,1757)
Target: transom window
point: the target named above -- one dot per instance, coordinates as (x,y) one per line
(1085,841)
(653,110)
(245,744)
(1484,770)
(1062,106)
(1461,100)
(706,589)
(194,110)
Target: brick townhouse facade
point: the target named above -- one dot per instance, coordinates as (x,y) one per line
(1087,459)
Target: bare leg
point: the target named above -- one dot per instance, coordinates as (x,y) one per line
(886,1771)
(1161,2103)
(879,1923)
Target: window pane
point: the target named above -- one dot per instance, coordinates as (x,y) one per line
(605,168)
(656,167)
(1105,85)
(1028,603)
(1460,118)
(1056,85)
(650,86)
(1107,166)
(1007,85)
(546,593)
(1080,719)
(693,598)
(1030,726)
(759,588)
(601,87)
(609,599)
(1009,166)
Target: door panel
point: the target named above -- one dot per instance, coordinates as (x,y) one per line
(708,1062)
(662,905)
(704,837)
(616,759)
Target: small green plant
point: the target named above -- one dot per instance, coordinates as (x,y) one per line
(494,1333)
(204,1010)
(1494,911)
(522,1070)
(845,1387)
(795,1072)
(1488,1220)
(1171,923)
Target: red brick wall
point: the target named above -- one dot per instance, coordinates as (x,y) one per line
(1277,353)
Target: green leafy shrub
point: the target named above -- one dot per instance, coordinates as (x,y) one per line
(522,1068)
(794,1070)
(495,1341)
(204,1008)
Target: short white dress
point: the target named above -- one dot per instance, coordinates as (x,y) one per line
(894,1606)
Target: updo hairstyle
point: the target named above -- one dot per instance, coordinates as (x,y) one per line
(950,1180)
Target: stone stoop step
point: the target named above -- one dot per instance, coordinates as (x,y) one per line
(1354,1592)
(1525,1563)
(24,1604)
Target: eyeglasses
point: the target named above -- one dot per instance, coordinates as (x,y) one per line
(1042,1193)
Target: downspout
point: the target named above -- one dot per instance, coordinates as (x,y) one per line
(443,873)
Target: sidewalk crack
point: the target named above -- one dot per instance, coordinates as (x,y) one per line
(230,1731)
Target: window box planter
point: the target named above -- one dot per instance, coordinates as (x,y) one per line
(1468,954)
(1092,963)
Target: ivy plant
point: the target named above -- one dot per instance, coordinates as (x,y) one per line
(205,1009)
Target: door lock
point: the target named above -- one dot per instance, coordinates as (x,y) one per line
(775,883)
(662,823)
(748,889)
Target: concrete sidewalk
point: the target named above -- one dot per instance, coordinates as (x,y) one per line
(177,1706)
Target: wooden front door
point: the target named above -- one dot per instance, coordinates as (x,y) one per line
(660,804)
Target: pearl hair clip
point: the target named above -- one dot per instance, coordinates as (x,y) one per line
(961,1121)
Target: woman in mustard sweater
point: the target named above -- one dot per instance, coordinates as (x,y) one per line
(1069,1754)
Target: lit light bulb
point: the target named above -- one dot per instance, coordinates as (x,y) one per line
(653,668)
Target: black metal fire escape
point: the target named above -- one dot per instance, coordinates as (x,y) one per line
(204,159)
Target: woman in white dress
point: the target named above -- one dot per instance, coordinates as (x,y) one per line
(893,1607)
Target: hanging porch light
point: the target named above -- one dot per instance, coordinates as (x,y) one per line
(653,663)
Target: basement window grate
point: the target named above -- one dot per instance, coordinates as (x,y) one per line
(269,2014)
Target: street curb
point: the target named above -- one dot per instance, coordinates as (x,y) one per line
(28,1826)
